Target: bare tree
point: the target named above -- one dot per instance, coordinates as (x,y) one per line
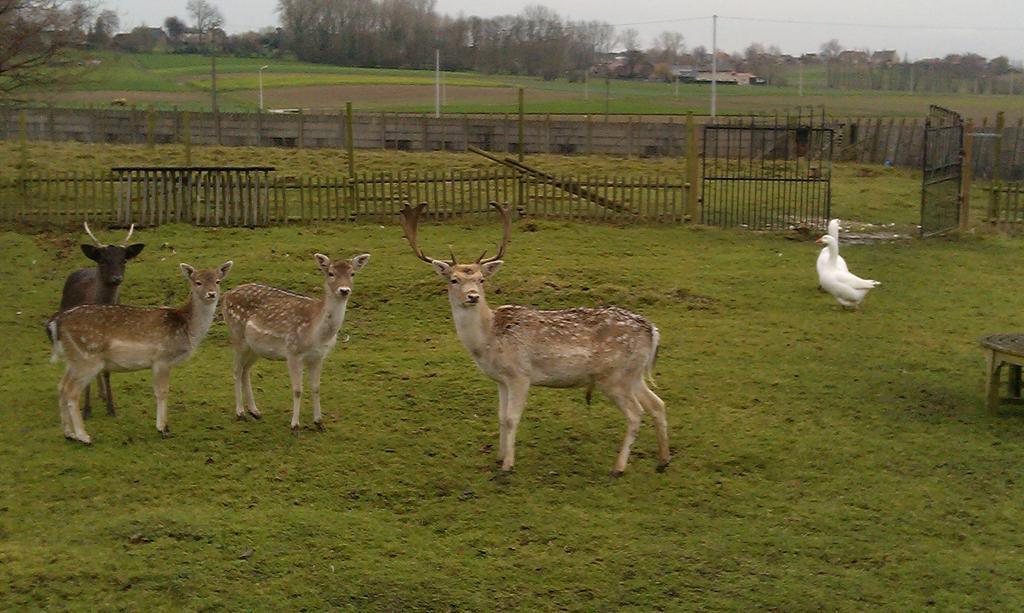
(105,26)
(34,34)
(175,28)
(831,50)
(630,39)
(668,46)
(205,16)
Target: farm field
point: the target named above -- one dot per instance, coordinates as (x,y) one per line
(183,81)
(822,459)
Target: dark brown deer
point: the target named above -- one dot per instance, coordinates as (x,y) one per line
(608,348)
(99,285)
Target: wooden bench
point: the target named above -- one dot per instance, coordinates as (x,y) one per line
(1003,349)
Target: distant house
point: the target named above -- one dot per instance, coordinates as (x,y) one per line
(685,73)
(139,39)
(852,57)
(729,77)
(810,58)
(887,57)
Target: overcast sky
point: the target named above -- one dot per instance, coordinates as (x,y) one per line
(919,28)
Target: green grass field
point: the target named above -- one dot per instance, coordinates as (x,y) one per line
(822,459)
(183,81)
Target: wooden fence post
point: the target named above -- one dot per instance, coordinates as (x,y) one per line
(186,133)
(349,142)
(590,134)
(693,192)
(301,141)
(997,158)
(522,128)
(967,168)
(150,121)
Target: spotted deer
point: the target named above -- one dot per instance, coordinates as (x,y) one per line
(99,285)
(272,323)
(95,337)
(609,348)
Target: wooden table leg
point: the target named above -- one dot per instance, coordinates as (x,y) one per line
(992,383)
(1014,375)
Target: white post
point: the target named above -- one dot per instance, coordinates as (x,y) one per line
(262,68)
(801,92)
(714,65)
(437,83)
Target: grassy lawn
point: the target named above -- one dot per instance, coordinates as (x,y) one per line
(166,80)
(822,459)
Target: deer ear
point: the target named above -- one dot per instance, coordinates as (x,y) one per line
(322,261)
(225,268)
(187,270)
(359,261)
(442,268)
(491,267)
(91,251)
(133,250)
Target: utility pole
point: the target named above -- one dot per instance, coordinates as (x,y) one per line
(437,83)
(801,89)
(714,65)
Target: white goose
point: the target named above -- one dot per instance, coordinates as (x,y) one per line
(847,288)
(833,231)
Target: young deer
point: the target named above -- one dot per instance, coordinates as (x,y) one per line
(95,337)
(99,285)
(266,322)
(610,348)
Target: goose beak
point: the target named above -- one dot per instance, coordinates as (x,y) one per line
(821,241)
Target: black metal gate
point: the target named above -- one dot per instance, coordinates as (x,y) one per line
(769,174)
(942,166)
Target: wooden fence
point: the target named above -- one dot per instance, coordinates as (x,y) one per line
(156,197)
(1006,207)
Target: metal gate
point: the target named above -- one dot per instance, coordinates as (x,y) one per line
(942,165)
(770,174)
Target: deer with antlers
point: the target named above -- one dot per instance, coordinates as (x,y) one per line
(276,324)
(99,285)
(92,338)
(609,348)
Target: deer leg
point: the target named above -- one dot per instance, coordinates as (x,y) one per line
(86,408)
(161,385)
(314,389)
(250,399)
(656,407)
(73,384)
(502,409)
(108,392)
(632,409)
(517,391)
(239,382)
(295,371)
(62,400)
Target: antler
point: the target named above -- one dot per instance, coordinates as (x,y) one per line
(130,230)
(506,218)
(93,237)
(410,219)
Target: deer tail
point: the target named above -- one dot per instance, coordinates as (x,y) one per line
(52,334)
(653,358)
